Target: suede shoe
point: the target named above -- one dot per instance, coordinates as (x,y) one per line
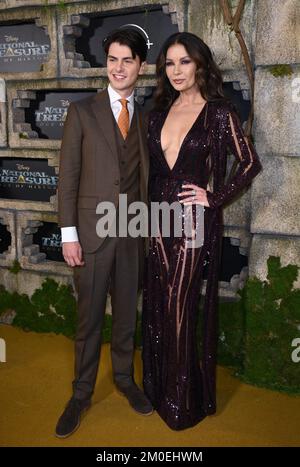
(70,419)
(136,398)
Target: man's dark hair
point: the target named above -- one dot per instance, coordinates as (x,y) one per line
(130,37)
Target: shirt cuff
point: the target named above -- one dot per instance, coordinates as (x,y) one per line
(69,234)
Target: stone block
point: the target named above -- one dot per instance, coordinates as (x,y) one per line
(275,197)
(277,32)
(277,114)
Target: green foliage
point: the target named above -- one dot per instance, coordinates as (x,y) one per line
(61,4)
(272,318)
(106,330)
(52,308)
(8,300)
(23,135)
(15,268)
(281,70)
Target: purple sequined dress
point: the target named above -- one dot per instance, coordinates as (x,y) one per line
(179,385)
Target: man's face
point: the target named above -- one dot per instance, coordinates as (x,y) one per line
(122,69)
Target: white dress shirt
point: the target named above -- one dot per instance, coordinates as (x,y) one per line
(69,234)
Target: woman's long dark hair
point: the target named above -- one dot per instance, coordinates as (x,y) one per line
(208,74)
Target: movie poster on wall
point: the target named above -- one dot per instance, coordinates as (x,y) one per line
(23,48)
(48,237)
(47,113)
(27,179)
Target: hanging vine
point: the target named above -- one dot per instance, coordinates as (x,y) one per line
(234,22)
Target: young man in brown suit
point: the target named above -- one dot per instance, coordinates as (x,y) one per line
(103,154)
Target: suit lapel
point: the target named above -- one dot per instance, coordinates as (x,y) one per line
(102,110)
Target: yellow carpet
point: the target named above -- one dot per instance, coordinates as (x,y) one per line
(35,384)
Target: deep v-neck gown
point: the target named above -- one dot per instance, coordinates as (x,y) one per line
(180,385)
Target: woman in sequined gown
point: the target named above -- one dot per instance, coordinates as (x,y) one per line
(190,133)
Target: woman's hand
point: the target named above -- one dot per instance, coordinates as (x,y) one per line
(195,195)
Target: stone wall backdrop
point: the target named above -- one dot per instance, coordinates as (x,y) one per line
(41,74)
(50,55)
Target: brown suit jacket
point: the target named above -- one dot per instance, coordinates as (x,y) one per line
(89,166)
